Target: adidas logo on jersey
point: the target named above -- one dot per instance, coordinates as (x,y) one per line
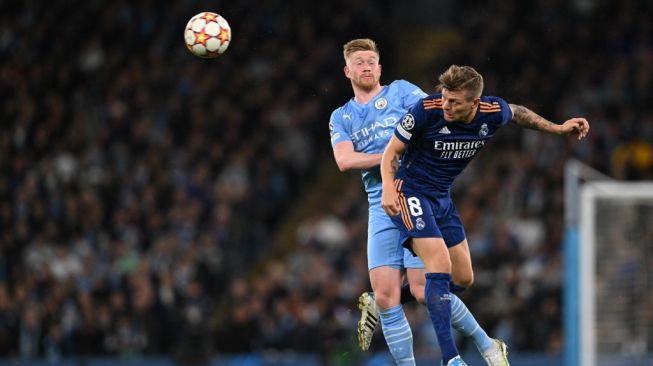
(445,130)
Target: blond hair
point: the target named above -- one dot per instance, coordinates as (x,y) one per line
(360,44)
(462,78)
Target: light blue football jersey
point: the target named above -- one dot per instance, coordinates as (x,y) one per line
(370,126)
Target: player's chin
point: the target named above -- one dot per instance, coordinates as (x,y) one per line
(449,117)
(366,83)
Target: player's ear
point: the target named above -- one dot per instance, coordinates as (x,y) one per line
(346,70)
(477,101)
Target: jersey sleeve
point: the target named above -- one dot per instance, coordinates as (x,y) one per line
(506,113)
(411,93)
(411,123)
(337,128)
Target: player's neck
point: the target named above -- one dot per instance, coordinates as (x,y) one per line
(364,96)
(469,118)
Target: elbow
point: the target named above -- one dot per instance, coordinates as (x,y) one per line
(344,161)
(343,166)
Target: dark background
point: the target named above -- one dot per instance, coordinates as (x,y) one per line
(152,202)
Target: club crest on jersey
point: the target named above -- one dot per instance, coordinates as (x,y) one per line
(408,122)
(419,223)
(380,103)
(484,130)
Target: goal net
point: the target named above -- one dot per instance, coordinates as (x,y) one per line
(615,274)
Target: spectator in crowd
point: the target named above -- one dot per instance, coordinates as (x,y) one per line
(137,181)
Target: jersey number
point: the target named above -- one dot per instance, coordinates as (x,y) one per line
(414,206)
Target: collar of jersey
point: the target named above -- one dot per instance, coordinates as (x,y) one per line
(359,107)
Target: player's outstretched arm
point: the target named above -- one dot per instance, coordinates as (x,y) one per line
(526,118)
(389,167)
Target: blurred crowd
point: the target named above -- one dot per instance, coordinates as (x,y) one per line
(141,185)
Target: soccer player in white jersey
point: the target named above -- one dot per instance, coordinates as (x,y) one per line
(360,130)
(430,147)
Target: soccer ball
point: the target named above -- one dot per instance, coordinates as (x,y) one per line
(207,35)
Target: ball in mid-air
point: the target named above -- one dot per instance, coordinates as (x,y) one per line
(207,35)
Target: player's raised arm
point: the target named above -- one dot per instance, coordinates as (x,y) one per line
(389,167)
(526,118)
(348,159)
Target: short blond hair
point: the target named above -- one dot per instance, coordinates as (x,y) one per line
(360,44)
(462,78)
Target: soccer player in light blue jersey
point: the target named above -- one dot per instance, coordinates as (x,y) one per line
(430,147)
(360,130)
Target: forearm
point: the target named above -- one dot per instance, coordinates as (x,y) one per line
(357,161)
(524,117)
(389,166)
(349,159)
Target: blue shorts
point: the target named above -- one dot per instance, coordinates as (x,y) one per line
(424,216)
(384,245)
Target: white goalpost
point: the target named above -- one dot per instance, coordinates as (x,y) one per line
(608,264)
(576,175)
(615,274)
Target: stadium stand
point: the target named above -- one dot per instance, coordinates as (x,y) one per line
(140,185)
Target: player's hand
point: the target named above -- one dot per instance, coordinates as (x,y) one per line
(574,126)
(390,201)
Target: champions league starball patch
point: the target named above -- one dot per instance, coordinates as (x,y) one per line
(408,122)
(380,103)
